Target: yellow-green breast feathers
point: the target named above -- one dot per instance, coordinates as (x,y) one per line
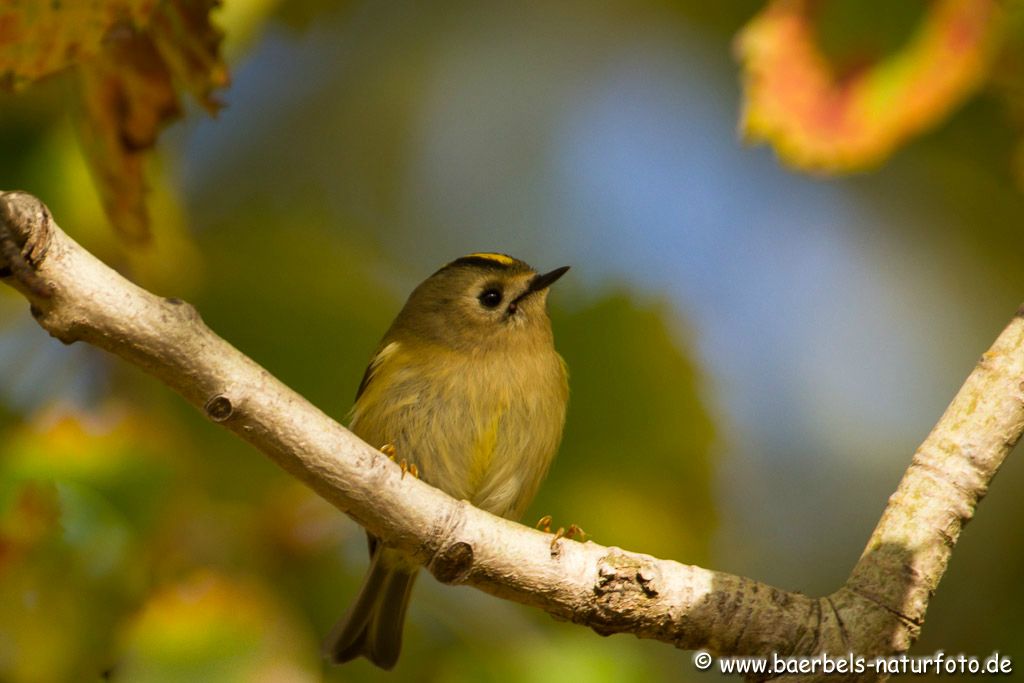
(490,441)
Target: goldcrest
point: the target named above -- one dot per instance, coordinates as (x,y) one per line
(467,386)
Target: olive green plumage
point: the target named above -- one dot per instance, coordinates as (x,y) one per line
(467,385)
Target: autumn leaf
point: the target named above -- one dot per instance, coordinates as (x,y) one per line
(128,93)
(130,60)
(41,38)
(126,97)
(820,118)
(189,45)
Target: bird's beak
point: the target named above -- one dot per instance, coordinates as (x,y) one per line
(542,282)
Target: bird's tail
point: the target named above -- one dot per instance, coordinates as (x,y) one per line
(373,625)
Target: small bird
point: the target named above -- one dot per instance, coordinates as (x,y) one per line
(467,386)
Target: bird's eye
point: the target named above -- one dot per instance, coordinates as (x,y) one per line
(490,297)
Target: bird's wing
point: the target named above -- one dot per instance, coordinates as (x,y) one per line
(371,369)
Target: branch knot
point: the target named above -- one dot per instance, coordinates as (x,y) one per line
(25,236)
(453,563)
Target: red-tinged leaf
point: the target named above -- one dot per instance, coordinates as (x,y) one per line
(818,119)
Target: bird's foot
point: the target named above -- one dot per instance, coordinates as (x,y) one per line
(574,532)
(389,450)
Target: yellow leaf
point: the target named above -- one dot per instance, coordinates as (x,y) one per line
(208,626)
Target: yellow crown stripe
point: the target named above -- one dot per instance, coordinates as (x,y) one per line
(497,258)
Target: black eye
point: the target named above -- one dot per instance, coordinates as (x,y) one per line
(490,297)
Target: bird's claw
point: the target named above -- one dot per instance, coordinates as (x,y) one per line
(574,532)
(410,468)
(389,450)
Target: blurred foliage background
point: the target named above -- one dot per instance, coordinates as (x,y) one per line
(755,352)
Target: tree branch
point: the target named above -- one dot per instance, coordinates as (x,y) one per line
(879,611)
